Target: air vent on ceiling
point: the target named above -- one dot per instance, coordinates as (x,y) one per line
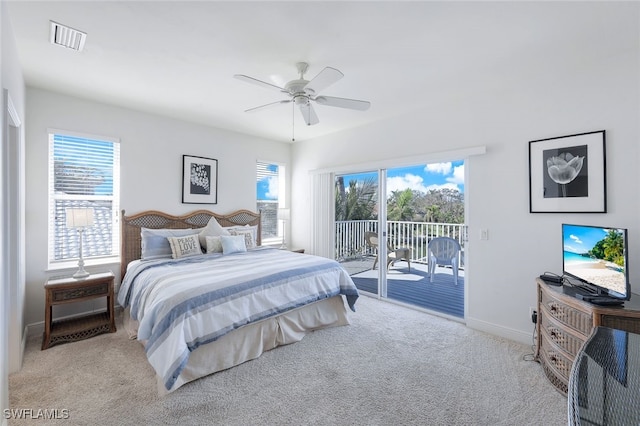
(64,36)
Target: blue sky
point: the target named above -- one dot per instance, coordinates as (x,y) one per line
(421,178)
(267,186)
(581,239)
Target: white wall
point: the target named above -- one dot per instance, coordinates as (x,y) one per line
(11,291)
(564,100)
(151,170)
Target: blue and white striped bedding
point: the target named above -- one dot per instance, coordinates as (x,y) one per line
(181,304)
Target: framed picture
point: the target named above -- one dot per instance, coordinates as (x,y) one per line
(567,174)
(199,180)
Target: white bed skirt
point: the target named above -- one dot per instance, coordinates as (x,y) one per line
(252,340)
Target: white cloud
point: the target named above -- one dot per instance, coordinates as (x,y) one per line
(272,192)
(400,183)
(441,168)
(458,175)
(575,239)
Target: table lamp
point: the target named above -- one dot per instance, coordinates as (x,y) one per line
(80,218)
(284,215)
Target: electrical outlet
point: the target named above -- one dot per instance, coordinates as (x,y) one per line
(533,314)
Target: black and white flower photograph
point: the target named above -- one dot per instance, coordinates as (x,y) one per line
(566,172)
(199,180)
(200,177)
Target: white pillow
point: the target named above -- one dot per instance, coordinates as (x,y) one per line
(214,244)
(253,229)
(248,235)
(233,244)
(213,229)
(155,244)
(185,246)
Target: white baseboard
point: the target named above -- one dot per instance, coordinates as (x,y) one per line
(496,330)
(35,329)
(25,336)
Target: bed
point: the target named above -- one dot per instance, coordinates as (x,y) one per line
(204,313)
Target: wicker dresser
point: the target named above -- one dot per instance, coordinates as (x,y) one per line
(565,323)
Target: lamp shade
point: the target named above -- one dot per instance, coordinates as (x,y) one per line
(79,217)
(284,214)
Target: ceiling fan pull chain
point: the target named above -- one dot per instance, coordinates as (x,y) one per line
(293,121)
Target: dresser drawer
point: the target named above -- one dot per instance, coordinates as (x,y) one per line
(555,359)
(61,295)
(630,324)
(558,335)
(567,315)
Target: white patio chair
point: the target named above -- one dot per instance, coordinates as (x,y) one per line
(444,251)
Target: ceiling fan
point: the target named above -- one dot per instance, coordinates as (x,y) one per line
(303,92)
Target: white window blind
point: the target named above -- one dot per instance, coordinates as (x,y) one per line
(84,172)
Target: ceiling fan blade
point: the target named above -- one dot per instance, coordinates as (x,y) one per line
(286,101)
(309,114)
(324,79)
(252,80)
(343,103)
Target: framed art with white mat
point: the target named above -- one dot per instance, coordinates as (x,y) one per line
(567,174)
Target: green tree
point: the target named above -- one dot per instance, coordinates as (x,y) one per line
(401,205)
(441,206)
(610,248)
(358,202)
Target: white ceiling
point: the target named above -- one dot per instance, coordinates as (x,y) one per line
(178,58)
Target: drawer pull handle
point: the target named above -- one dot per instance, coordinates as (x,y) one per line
(557,361)
(556,310)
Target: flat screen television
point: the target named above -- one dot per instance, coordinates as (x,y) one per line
(597,258)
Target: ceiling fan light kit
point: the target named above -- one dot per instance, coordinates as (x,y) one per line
(303,92)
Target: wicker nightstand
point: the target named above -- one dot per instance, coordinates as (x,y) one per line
(70,290)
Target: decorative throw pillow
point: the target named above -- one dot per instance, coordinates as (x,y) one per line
(233,244)
(213,229)
(248,237)
(185,246)
(155,244)
(214,244)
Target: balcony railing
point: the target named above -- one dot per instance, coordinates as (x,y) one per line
(351,242)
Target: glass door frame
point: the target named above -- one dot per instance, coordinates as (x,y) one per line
(382,233)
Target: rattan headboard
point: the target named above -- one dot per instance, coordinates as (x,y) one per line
(131,227)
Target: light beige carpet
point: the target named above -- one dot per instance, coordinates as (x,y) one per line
(392,366)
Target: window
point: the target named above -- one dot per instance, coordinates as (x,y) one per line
(270,196)
(84,172)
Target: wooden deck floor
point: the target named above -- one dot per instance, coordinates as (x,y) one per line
(415,288)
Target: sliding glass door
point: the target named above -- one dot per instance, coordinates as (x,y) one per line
(357,225)
(384,221)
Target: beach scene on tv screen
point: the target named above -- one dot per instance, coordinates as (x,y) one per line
(595,255)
